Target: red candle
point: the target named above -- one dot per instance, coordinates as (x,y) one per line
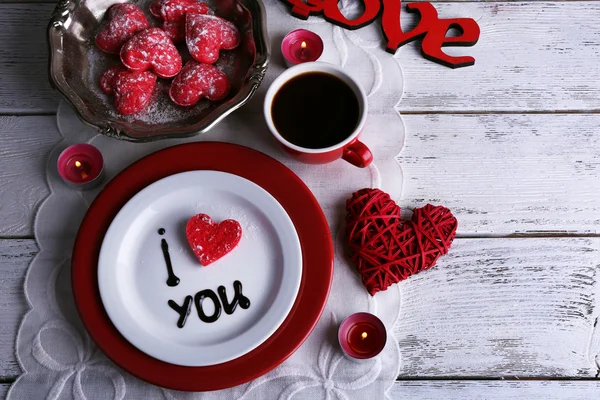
(362,336)
(301,46)
(80,166)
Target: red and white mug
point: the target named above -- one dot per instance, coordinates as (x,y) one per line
(351,148)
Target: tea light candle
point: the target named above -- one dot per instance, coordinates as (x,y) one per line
(362,336)
(301,46)
(81,166)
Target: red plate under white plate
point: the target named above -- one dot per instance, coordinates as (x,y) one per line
(284,186)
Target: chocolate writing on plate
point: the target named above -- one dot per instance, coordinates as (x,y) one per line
(183,311)
(220,302)
(219,299)
(172,280)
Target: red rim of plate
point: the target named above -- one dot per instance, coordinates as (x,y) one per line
(304,211)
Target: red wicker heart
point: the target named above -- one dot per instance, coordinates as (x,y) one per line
(387,250)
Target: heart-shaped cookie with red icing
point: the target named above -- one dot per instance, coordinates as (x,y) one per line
(176,10)
(210,240)
(386,249)
(197,81)
(207,35)
(152,50)
(173,13)
(132,90)
(124,21)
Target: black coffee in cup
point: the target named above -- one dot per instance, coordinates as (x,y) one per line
(315,110)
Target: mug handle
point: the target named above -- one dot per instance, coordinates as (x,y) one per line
(358,154)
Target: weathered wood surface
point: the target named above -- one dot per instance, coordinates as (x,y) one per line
(502,174)
(492,307)
(504,307)
(533,56)
(15,256)
(489,390)
(520,64)
(4,390)
(495,390)
(24,149)
(24,85)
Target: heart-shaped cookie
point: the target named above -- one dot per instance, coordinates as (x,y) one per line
(152,50)
(197,81)
(176,10)
(209,240)
(386,249)
(173,13)
(132,90)
(207,35)
(124,21)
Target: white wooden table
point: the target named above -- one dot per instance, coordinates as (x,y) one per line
(511,145)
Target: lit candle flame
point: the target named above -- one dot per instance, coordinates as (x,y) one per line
(78,165)
(364,335)
(302,54)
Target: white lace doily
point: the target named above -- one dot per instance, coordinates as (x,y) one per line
(56,355)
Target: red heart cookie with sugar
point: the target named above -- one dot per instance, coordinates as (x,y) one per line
(124,21)
(197,81)
(210,240)
(176,10)
(207,35)
(386,249)
(132,90)
(173,13)
(152,50)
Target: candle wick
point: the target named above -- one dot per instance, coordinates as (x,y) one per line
(303,50)
(364,335)
(82,172)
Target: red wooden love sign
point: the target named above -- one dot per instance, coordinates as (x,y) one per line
(431,29)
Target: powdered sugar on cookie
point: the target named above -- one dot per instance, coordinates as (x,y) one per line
(197,81)
(125,20)
(132,90)
(207,35)
(152,50)
(173,13)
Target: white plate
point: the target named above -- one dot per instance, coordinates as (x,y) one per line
(132,272)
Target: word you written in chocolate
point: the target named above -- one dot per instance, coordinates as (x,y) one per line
(218,302)
(431,29)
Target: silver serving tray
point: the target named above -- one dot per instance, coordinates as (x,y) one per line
(75,66)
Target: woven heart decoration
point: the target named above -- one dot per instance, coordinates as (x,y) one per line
(386,249)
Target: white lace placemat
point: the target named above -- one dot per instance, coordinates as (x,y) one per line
(57,357)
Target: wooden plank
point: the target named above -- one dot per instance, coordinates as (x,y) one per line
(504,307)
(15,256)
(495,390)
(4,387)
(521,66)
(492,307)
(24,85)
(530,56)
(24,149)
(502,174)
